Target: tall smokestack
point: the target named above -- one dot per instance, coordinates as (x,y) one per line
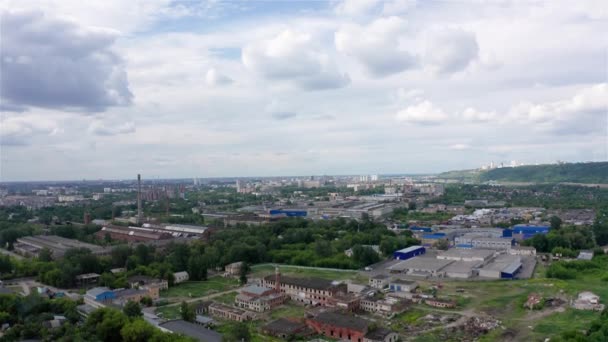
(277,279)
(139,212)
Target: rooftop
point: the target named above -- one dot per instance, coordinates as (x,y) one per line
(284,326)
(311,283)
(378,334)
(255,289)
(96,291)
(408,249)
(421,263)
(192,330)
(344,321)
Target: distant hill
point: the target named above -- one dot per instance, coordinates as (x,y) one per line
(591,173)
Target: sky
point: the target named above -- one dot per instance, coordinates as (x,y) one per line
(106,89)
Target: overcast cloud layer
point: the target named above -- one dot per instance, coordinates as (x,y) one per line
(200,89)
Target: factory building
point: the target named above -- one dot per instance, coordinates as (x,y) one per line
(421,267)
(409,252)
(503,267)
(522,231)
(30,246)
(467,255)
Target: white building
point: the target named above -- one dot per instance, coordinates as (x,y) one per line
(379,281)
(522,250)
(180,277)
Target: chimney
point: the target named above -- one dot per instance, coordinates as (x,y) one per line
(277,279)
(139,212)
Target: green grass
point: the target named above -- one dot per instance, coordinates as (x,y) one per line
(561,322)
(410,317)
(265,269)
(227,298)
(169,312)
(192,289)
(288,310)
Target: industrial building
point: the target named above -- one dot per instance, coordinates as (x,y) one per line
(421,267)
(131,234)
(409,252)
(523,231)
(467,255)
(463,269)
(480,240)
(503,267)
(30,246)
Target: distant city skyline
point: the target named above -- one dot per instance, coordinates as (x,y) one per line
(181,89)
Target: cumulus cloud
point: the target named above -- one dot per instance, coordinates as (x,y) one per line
(280,110)
(355,7)
(111,127)
(424,113)
(215,78)
(585,112)
(376,46)
(55,63)
(20,130)
(398,6)
(294,57)
(459,147)
(474,115)
(450,50)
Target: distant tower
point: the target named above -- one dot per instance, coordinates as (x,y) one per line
(139,211)
(87,218)
(277,279)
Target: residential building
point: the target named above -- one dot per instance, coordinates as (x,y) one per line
(152,285)
(230,313)
(313,291)
(233,269)
(123,296)
(87,279)
(259,298)
(180,277)
(379,281)
(382,306)
(401,285)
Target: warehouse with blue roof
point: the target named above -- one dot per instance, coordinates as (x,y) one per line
(527,231)
(409,252)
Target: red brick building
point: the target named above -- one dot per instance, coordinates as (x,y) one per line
(339,326)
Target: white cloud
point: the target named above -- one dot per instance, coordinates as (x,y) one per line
(20,130)
(294,57)
(398,6)
(474,115)
(450,50)
(585,112)
(376,46)
(355,7)
(424,113)
(214,78)
(111,127)
(54,63)
(280,110)
(460,147)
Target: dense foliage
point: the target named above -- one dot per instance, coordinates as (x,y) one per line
(572,172)
(542,196)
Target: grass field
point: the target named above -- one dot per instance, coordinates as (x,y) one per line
(169,312)
(288,310)
(265,269)
(227,298)
(193,289)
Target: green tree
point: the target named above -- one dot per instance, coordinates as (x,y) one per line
(137,330)
(132,309)
(243,273)
(187,312)
(106,324)
(556,222)
(45,255)
(238,332)
(600,227)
